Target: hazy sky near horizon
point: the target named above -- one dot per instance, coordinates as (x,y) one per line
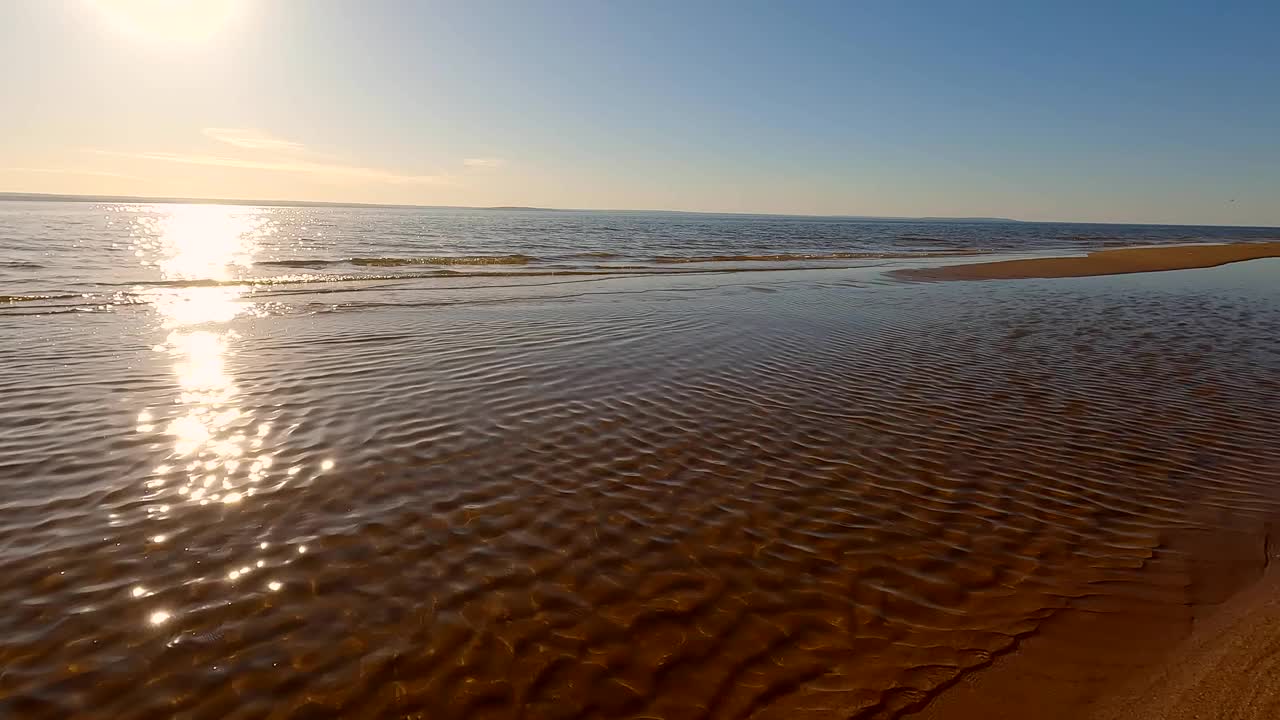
(1112,112)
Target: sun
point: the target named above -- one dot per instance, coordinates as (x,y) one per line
(176,21)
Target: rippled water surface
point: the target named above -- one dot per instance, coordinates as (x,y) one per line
(793,491)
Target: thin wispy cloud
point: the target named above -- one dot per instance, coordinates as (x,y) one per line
(68,171)
(251,139)
(333,172)
(482,162)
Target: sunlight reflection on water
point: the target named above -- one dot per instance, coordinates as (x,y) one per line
(215,446)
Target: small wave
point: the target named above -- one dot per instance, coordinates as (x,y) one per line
(33,298)
(595,255)
(310,264)
(139,287)
(280,280)
(20,265)
(316,264)
(795,257)
(443,260)
(1096,238)
(144,287)
(267,282)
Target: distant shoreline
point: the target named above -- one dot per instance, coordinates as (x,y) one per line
(54,197)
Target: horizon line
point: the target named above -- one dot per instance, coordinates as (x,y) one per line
(11,196)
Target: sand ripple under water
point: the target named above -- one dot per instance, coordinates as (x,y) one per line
(827,500)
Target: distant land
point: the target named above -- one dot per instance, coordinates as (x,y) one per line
(50,197)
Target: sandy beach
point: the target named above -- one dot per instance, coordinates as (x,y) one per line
(1102,262)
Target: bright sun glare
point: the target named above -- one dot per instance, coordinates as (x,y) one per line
(170,20)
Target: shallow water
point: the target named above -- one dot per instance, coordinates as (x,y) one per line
(789,493)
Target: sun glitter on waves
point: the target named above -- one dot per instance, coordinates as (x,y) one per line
(217,453)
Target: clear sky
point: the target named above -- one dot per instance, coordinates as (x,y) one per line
(1099,111)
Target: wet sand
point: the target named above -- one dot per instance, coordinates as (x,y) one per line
(1229,667)
(1103,262)
(1178,646)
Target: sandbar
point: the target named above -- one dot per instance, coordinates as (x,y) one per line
(1101,262)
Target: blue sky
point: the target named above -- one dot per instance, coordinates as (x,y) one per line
(1137,111)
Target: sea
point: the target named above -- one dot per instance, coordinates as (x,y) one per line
(88,256)
(363,462)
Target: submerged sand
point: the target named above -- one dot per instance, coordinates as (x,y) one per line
(676,498)
(1101,262)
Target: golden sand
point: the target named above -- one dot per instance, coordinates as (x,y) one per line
(1101,262)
